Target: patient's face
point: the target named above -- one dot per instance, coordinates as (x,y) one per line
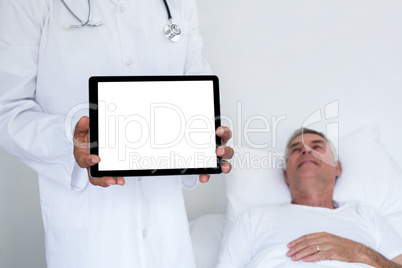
(310,166)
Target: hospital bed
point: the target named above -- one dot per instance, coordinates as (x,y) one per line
(370,176)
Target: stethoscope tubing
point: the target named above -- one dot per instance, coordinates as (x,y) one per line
(168,10)
(83,23)
(172,31)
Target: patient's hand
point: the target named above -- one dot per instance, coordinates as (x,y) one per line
(223,151)
(325,246)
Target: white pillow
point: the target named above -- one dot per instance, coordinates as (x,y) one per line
(251,184)
(369,176)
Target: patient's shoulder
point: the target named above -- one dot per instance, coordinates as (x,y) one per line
(362,208)
(366,212)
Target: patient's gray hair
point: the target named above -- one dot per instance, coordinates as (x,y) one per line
(302,131)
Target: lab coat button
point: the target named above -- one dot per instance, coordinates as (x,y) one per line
(121,9)
(144,233)
(129,64)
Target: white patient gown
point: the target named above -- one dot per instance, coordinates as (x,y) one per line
(260,236)
(44,71)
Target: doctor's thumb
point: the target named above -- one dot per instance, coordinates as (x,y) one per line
(82,126)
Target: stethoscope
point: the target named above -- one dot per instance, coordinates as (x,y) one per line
(172,31)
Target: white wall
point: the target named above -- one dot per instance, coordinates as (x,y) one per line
(293,57)
(277,58)
(22,242)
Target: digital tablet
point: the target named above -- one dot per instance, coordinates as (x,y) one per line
(154,125)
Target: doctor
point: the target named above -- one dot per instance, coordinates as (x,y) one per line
(47,54)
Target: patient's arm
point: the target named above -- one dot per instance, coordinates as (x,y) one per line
(325,246)
(398,259)
(375,259)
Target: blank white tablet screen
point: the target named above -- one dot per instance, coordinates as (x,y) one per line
(156,125)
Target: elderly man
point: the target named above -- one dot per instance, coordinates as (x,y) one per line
(314,227)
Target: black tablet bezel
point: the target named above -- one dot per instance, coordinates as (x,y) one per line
(94,133)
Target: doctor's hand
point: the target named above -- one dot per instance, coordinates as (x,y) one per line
(223,151)
(84,159)
(325,246)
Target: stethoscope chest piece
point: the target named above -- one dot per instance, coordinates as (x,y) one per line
(172,32)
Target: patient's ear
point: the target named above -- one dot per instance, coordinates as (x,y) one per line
(286,176)
(338,169)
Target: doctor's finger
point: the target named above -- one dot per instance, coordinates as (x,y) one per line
(106,181)
(226,167)
(225,152)
(225,133)
(120,181)
(85,160)
(204,178)
(103,182)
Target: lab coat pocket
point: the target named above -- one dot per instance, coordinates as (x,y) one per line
(170,55)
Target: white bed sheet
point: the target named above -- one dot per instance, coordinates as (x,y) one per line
(206,236)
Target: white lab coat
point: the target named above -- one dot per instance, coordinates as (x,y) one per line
(44,71)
